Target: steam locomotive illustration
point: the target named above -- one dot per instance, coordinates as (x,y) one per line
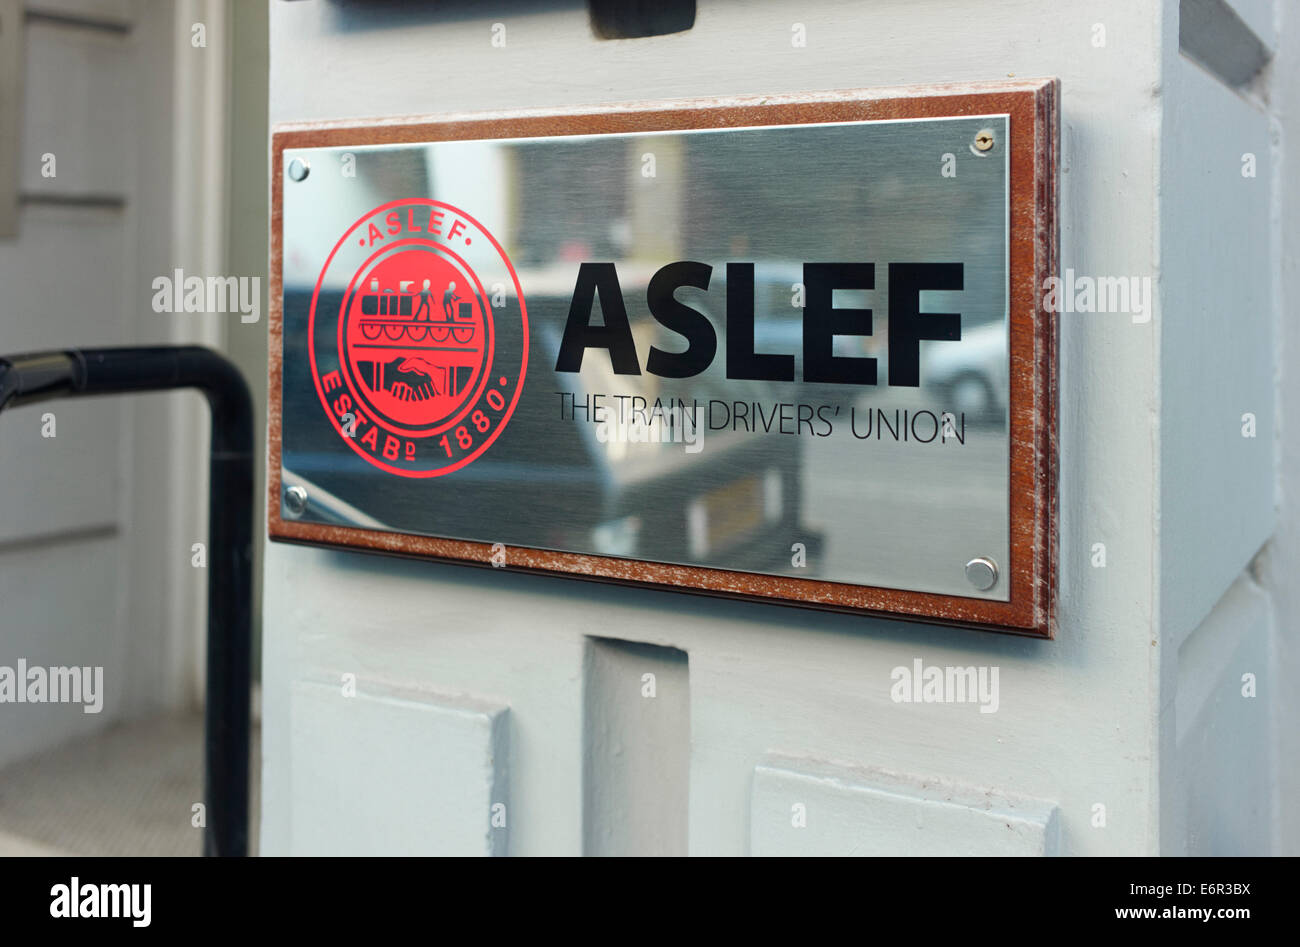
(386,314)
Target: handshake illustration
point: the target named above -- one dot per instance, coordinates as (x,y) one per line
(407,378)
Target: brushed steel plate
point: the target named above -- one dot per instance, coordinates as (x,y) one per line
(905,507)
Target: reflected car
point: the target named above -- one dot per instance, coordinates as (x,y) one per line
(970,377)
(568,485)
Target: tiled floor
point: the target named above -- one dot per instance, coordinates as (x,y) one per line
(126,791)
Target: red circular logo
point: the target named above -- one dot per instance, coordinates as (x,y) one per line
(418,338)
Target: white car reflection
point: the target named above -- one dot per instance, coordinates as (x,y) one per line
(970,376)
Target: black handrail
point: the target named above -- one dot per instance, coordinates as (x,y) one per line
(75,372)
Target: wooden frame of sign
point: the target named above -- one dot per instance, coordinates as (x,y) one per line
(1033,233)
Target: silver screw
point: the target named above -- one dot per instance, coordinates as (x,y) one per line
(295,501)
(298,169)
(983,573)
(983,142)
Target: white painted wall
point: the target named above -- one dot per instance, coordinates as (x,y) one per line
(96,523)
(1218,499)
(1130,709)
(1279,565)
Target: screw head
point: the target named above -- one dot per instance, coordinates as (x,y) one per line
(295,501)
(982,573)
(983,142)
(298,169)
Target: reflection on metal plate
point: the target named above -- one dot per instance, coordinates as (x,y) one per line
(780,350)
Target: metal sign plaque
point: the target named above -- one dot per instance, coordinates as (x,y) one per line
(783,348)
